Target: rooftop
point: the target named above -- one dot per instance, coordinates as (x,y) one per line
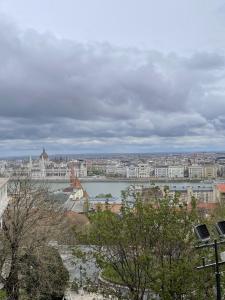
(221,187)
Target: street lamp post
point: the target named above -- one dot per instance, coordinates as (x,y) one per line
(81,283)
(218,288)
(215,264)
(204,237)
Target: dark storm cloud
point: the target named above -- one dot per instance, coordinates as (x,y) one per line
(56,89)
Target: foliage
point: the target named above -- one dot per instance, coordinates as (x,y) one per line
(109,273)
(104,195)
(2,295)
(78,253)
(75,286)
(44,275)
(150,248)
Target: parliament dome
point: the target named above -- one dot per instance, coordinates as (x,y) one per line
(44,155)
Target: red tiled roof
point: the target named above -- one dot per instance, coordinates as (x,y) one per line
(221,187)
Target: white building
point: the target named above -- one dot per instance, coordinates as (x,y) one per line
(80,168)
(144,170)
(196,171)
(210,171)
(132,171)
(111,169)
(43,168)
(161,171)
(3,196)
(116,169)
(175,171)
(59,170)
(202,193)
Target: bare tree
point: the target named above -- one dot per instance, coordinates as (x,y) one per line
(30,222)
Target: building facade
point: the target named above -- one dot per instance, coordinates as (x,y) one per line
(196,171)
(175,172)
(161,171)
(210,171)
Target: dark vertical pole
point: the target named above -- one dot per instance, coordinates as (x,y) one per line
(217,273)
(81,283)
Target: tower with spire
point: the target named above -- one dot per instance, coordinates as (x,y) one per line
(43,161)
(78,197)
(30,166)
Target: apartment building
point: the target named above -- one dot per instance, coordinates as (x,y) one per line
(203,193)
(196,171)
(210,171)
(80,168)
(144,170)
(176,171)
(161,171)
(132,171)
(116,169)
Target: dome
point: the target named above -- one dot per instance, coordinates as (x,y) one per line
(44,155)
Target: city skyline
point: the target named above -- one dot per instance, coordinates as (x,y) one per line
(97,77)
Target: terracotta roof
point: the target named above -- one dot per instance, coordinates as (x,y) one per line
(221,187)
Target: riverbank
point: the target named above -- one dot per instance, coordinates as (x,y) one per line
(126,180)
(114,186)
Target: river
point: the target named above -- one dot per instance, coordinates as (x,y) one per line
(95,188)
(115,188)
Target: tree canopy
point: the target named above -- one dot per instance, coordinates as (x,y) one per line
(149,249)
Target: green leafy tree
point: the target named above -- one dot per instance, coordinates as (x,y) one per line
(149,249)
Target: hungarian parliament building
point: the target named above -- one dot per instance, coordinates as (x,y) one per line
(44,168)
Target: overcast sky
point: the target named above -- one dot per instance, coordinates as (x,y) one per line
(82,76)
